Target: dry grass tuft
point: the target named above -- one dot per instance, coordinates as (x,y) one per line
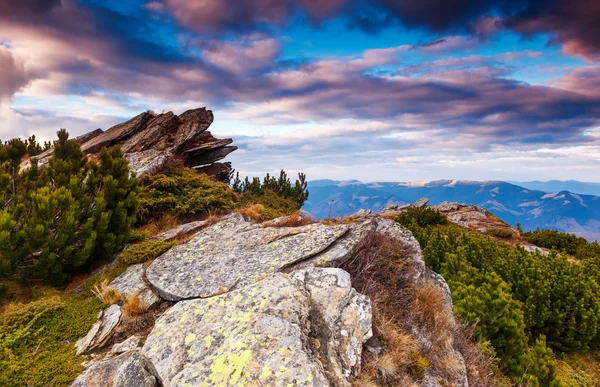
(134,306)
(296,219)
(253,211)
(165,223)
(212,217)
(105,294)
(431,312)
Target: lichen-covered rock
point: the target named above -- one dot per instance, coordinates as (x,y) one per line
(148,161)
(126,370)
(341,320)
(235,253)
(184,229)
(98,335)
(257,335)
(265,334)
(132,343)
(534,249)
(132,283)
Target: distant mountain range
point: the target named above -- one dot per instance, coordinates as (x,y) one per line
(562,210)
(575,186)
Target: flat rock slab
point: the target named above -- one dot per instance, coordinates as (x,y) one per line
(126,370)
(131,344)
(235,253)
(131,283)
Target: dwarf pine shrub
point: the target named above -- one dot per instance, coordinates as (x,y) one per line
(56,220)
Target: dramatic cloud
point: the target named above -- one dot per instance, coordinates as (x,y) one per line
(13,75)
(291,77)
(572,23)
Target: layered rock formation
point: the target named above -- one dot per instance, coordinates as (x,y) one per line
(256,305)
(150,140)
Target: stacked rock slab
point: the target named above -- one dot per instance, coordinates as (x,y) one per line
(266,306)
(150,140)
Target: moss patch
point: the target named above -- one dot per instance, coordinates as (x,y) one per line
(37,340)
(144,251)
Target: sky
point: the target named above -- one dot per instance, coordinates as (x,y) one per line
(393,90)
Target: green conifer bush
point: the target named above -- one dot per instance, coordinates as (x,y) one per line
(56,220)
(523,303)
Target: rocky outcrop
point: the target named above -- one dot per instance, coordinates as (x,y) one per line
(421,203)
(261,305)
(150,140)
(471,216)
(391,208)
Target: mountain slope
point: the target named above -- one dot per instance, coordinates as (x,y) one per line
(513,204)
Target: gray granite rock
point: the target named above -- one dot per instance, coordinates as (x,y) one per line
(127,370)
(341,321)
(421,203)
(391,208)
(257,335)
(235,253)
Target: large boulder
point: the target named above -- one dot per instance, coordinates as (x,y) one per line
(235,253)
(264,334)
(126,370)
(151,140)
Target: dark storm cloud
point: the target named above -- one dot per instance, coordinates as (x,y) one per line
(575,24)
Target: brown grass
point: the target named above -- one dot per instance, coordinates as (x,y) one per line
(105,294)
(212,217)
(403,308)
(296,219)
(253,211)
(482,368)
(430,312)
(134,306)
(165,223)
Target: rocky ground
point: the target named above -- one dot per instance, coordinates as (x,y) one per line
(243,304)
